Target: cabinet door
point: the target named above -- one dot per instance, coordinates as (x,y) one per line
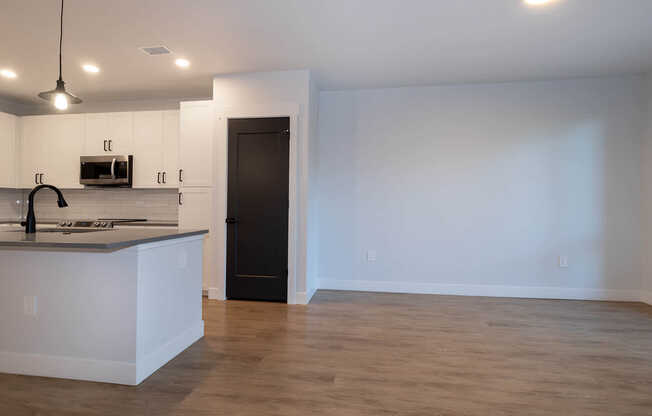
(66,137)
(8,134)
(195,212)
(195,208)
(171,148)
(148,149)
(35,150)
(121,133)
(195,143)
(96,134)
(109,134)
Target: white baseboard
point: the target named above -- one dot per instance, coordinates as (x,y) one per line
(68,367)
(536,292)
(117,372)
(646,297)
(155,360)
(215,294)
(303,298)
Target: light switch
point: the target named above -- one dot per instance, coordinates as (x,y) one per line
(29,305)
(371,255)
(563,261)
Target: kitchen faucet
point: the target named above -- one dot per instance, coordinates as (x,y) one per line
(30,223)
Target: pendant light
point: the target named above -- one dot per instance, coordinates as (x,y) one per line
(59,97)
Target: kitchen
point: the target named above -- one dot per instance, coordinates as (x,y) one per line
(342,207)
(126,198)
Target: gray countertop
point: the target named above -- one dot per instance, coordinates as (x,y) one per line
(106,240)
(148,223)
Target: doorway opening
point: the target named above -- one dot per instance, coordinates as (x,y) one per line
(257,208)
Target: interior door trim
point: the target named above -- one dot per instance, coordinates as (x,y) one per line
(263,110)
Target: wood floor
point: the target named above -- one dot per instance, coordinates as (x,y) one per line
(384,354)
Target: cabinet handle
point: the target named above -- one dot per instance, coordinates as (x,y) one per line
(164,179)
(105,145)
(180,178)
(36,178)
(40,178)
(180,198)
(158,177)
(110,142)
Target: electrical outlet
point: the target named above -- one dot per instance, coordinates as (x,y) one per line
(29,305)
(563,261)
(371,255)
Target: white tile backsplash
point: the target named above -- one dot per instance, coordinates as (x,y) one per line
(10,204)
(151,204)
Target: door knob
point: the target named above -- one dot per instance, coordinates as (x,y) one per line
(232,221)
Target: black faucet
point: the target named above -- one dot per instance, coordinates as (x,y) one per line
(30,224)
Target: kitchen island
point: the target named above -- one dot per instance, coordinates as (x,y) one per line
(107,305)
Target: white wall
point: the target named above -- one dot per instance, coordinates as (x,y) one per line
(91,106)
(477,189)
(11,107)
(646,152)
(312,260)
(261,94)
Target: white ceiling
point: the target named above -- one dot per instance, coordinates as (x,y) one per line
(348,43)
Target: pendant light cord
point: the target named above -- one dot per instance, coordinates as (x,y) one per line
(60,40)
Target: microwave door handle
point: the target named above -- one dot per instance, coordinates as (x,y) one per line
(113,168)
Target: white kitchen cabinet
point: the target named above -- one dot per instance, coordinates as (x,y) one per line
(148,149)
(156,139)
(195,208)
(195,144)
(171,148)
(67,144)
(50,150)
(109,134)
(35,148)
(8,150)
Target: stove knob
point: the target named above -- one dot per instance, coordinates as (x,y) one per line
(62,223)
(69,223)
(103,224)
(96,224)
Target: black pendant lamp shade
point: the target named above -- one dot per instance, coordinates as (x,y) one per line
(59,96)
(61,89)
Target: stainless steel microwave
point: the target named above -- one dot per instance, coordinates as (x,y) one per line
(106,170)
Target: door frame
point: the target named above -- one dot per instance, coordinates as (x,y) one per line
(221,188)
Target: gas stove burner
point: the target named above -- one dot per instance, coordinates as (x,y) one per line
(98,223)
(119,220)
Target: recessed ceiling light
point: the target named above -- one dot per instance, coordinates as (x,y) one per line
(537,2)
(8,73)
(91,68)
(183,63)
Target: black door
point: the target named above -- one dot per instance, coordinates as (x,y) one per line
(257,209)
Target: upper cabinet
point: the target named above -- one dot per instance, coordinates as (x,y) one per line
(50,150)
(38,150)
(171,148)
(109,134)
(8,150)
(195,144)
(156,139)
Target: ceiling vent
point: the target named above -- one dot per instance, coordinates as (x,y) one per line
(155,50)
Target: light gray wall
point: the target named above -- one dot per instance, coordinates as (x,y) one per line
(478,189)
(312,251)
(646,153)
